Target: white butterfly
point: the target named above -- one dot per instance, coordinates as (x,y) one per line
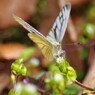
(51,44)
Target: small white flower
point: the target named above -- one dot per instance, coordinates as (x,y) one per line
(90,29)
(58,77)
(27,87)
(35,61)
(31,88)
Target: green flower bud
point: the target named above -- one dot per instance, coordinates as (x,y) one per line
(71,76)
(15,68)
(23,70)
(19,61)
(13,78)
(71,73)
(62,65)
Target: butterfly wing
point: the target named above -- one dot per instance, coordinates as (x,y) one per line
(58,30)
(43,44)
(38,38)
(27,26)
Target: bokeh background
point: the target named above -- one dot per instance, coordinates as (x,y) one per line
(78,42)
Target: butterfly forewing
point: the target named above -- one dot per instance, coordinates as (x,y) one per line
(58,30)
(27,26)
(43,44)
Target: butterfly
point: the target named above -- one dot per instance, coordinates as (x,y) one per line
(51,44)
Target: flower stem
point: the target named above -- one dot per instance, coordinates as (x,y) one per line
(83,86)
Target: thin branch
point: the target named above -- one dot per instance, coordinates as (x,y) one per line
(83,86)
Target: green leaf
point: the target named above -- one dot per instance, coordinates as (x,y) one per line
(72,90)
(27,53)
(87,91)
(11,92)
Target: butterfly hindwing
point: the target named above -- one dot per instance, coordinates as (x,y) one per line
(45,46)
(58,30)
(38,38)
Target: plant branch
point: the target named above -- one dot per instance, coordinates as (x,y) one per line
(83,86)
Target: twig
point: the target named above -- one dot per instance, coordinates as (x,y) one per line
(41,90)
(83,86)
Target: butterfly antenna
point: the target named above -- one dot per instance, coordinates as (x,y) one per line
(72,44)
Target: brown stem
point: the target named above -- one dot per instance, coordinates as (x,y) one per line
(41,90)
(83,86)
(17,78)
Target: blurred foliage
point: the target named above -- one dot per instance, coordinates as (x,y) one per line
(55,83)
(12,92)
(90,12)
(81,10)
(24,89)
(88,91)
(41,6)
(35,21)
(61,76)
(40,11)
(80,76)
(27,53)
(55,80)
(88,26)
(18,68)
(14,34)
(88,32)
(72,90)
(85,53)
